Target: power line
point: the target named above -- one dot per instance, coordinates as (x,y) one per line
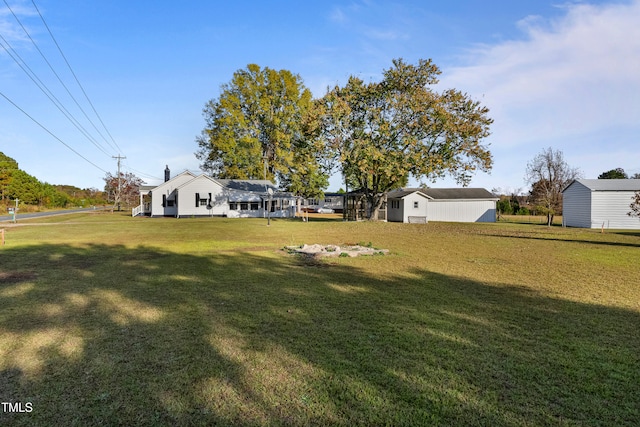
(142,174)
(43,87)
(76,78)
(54,72)
(51,133)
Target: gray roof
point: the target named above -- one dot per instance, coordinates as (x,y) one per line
(255,185)
(404,192)
(458,193)
(244,196)
(609,184)
(445,193)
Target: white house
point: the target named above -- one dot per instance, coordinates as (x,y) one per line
(600,203)
(188,195)
(441,204)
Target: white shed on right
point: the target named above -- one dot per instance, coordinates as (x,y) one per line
(600,203)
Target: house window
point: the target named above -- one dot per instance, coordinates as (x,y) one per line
(415,205)
(244,206)
(395,204)
(255,206)
(233,206)
(203,202)
(170,202)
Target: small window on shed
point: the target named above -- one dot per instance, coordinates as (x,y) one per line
(416,205)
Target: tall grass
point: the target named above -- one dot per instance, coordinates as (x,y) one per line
(106,319)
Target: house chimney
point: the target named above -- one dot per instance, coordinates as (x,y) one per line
(167,174)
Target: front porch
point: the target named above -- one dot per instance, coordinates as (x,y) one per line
(144,208)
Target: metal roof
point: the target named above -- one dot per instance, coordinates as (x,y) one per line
(609,184)
(458,193)
(445,193)
(404,192)
(255,185)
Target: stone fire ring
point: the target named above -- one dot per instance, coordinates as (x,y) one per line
(321,251)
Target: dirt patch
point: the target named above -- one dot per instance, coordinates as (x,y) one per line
(322,251)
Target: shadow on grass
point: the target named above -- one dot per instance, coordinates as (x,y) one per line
(532,236)
(626,233)
(118,336)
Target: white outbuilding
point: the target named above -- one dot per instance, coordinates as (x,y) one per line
(600,203)
(441,204)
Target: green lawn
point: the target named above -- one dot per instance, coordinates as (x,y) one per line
(112,320)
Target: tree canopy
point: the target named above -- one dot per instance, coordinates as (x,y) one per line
(266,125)
(259,127)
(617,173)
(382,133)
(548,173)
(18,184)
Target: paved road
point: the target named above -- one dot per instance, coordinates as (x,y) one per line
(43,214)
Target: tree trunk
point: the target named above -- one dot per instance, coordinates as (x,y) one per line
(376,204)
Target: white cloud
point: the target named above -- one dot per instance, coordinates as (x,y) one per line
(567,81)
(9,28)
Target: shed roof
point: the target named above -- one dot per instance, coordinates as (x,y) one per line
(459,193)
(609,184)
(446,193)
(404,192)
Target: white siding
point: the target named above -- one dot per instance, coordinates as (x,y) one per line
(410,208)
(168,190)
(576,206)
(609,209)
(599,203)
(462,210)
(203,186)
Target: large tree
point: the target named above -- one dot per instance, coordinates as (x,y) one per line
(260,128)
(548,173)
(124,189)
(617,173)
(384,132)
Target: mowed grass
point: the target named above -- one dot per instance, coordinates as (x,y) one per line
(112,320)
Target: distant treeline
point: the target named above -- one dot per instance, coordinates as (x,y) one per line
(17,184)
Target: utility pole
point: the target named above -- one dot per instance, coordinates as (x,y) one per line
(15,212)
(117,198)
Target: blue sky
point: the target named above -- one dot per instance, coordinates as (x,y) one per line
(553,73)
